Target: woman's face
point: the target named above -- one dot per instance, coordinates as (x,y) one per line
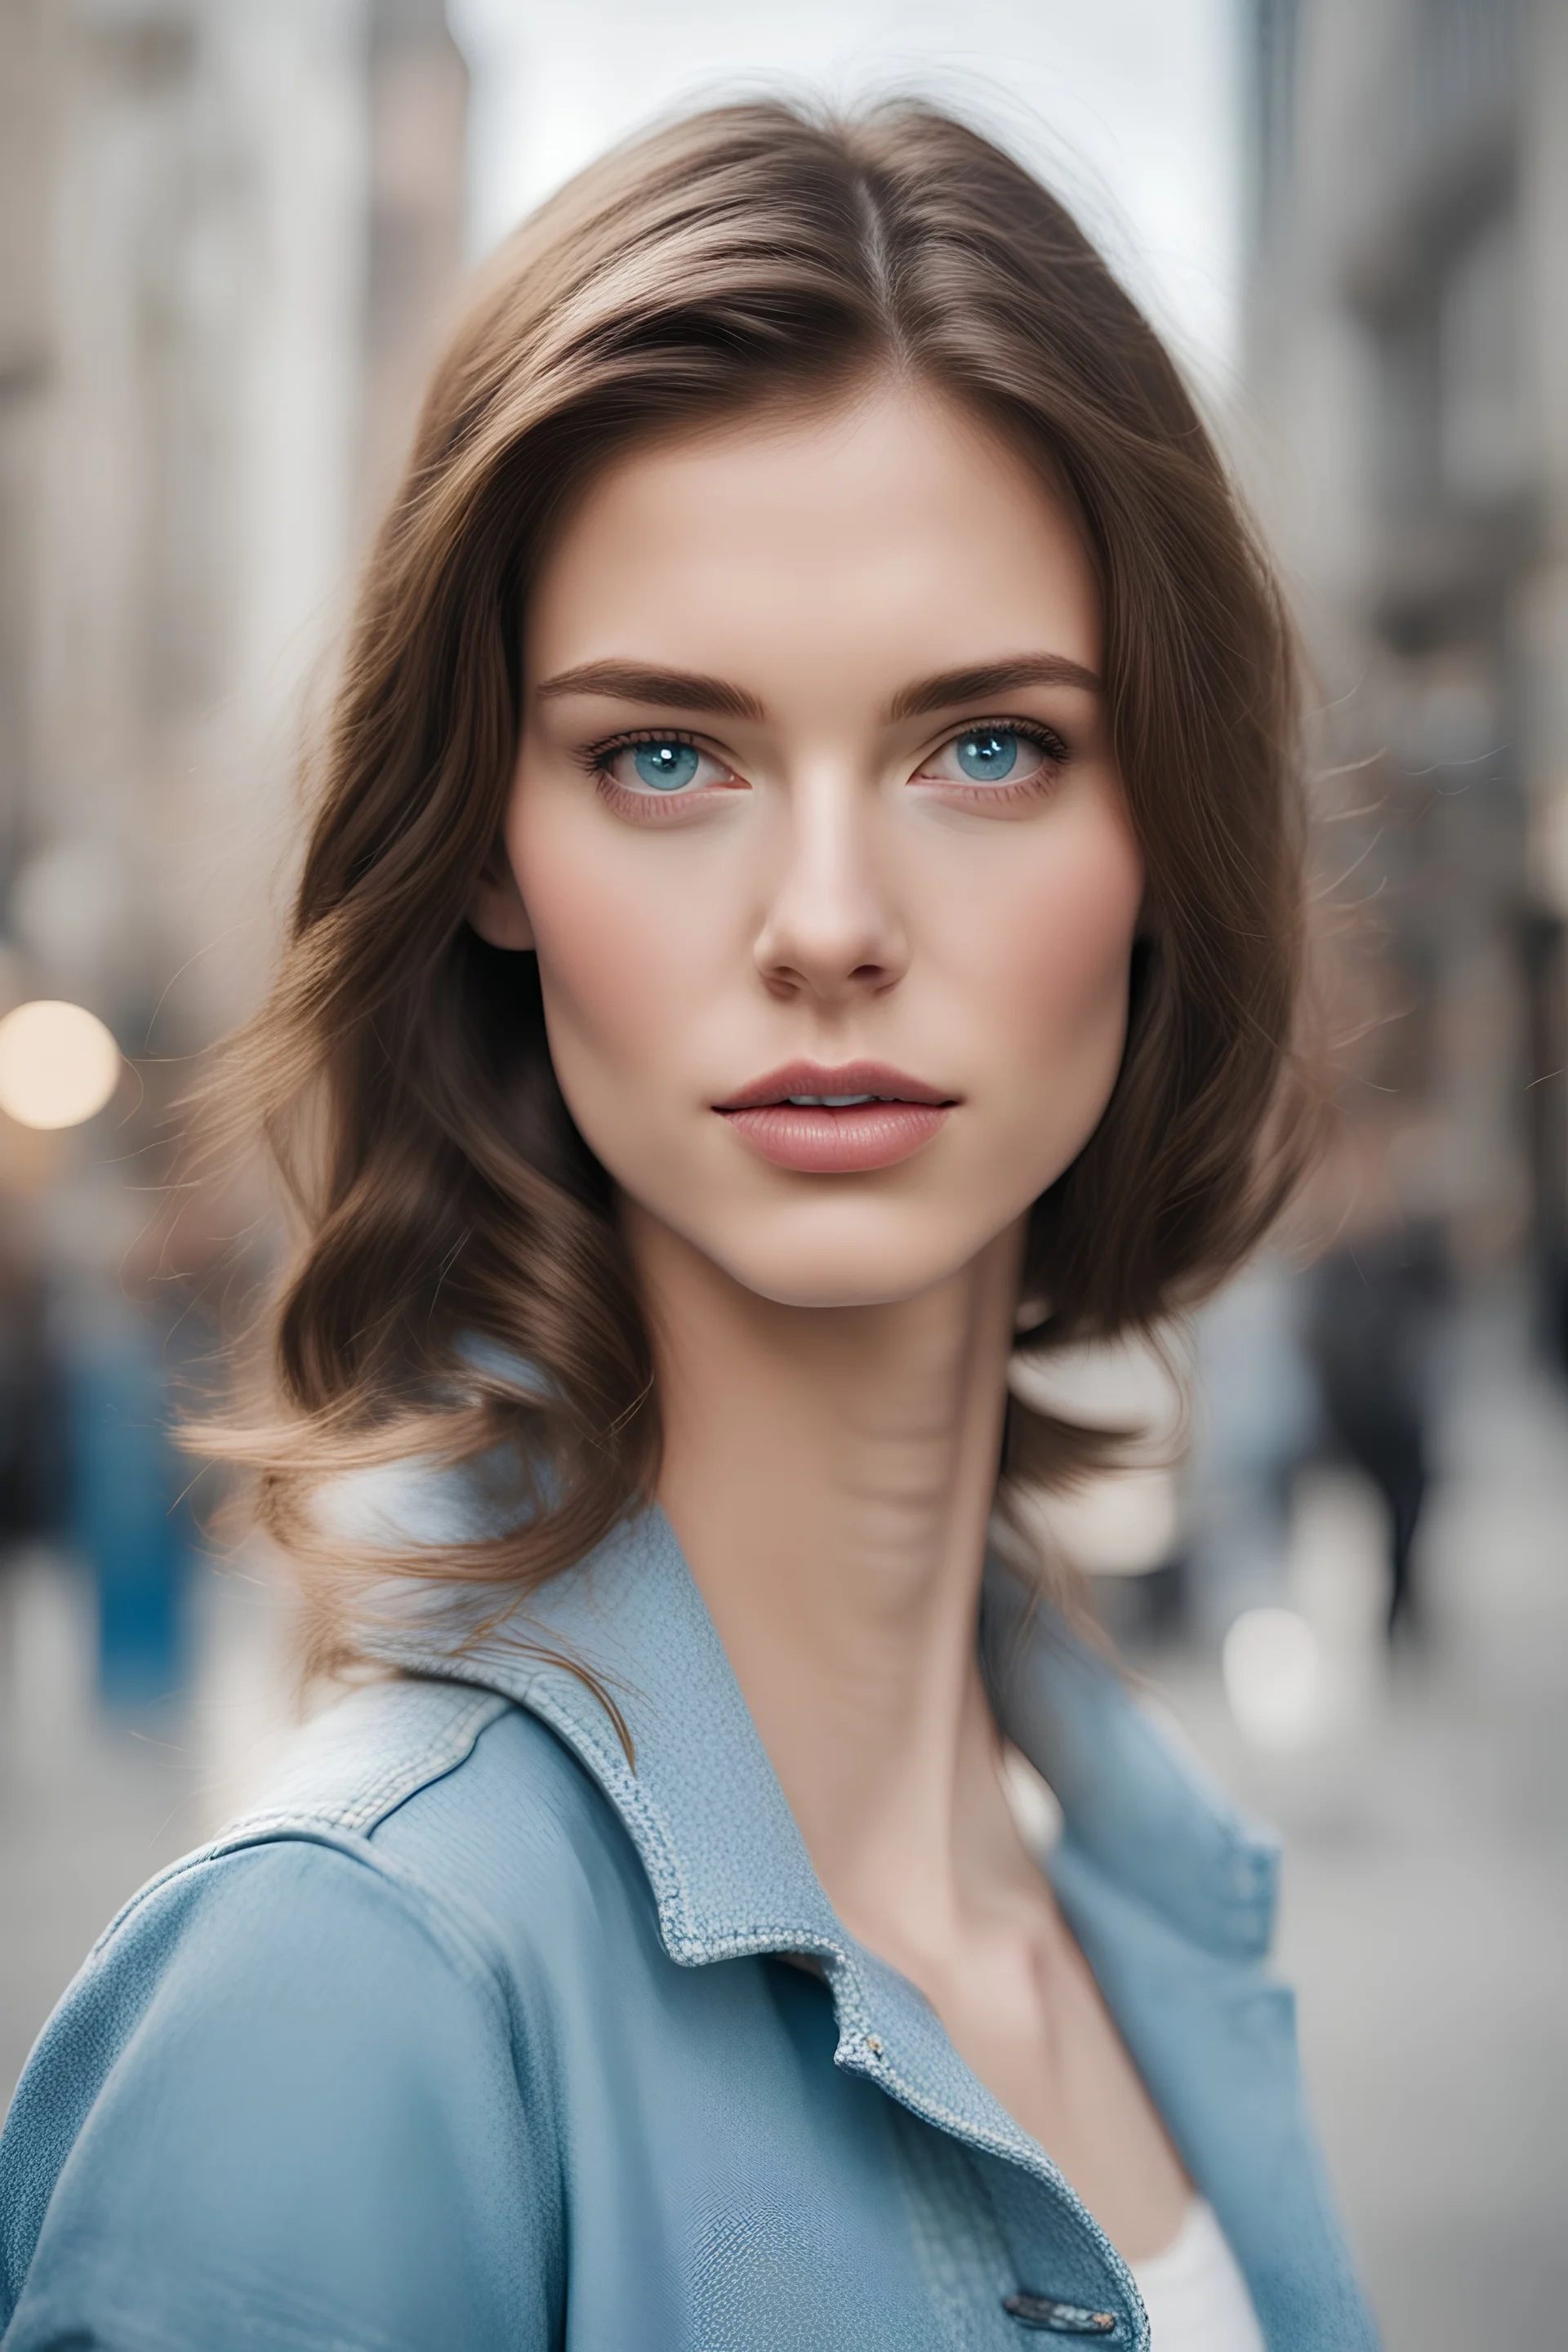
(816,799)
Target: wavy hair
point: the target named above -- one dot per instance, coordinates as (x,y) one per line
(456,1227)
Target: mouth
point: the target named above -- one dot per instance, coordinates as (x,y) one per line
(837,1122)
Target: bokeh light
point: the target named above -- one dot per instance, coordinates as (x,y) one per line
(1273,1669)
(58,1064)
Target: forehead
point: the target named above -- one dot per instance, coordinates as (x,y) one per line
(896,531)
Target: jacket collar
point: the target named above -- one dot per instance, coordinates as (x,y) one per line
(1171,1893)
(704,1808)
(728,1872)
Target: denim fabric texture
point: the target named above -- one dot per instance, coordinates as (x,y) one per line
(479,2036)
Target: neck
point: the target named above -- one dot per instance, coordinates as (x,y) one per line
(829,1474)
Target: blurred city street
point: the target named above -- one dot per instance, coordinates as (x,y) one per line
(1426,1886)
(92,1803)
(1426,1829)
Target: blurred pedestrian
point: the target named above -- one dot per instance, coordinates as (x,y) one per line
(1371,1323)
(1255,1422)
(124,1518)
(32,1409)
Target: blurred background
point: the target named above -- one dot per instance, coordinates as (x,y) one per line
(230,232)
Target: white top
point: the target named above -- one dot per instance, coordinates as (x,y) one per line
(1195,2297)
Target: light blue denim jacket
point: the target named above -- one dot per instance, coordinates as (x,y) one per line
(477,2039)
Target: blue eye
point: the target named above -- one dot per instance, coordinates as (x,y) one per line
(993,752)
(987,756)
(665,766)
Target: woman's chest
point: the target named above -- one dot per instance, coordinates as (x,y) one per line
(730,2181)
(1021,2007)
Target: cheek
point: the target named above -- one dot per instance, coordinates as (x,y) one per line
(1057,949)
(618,973)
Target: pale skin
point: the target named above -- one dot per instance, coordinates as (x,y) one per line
(843,614)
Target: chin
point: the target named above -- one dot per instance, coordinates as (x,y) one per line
(863,1263)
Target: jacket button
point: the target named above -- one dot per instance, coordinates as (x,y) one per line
(1053,2319)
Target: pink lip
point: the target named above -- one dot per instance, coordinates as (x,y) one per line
(848,1141)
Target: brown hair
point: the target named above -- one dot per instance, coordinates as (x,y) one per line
(448,1200)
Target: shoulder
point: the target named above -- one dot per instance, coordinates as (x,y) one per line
(300,2053)
(417,1824)
(467,1804)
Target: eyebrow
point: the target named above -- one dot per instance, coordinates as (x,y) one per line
(663,690)
(679,690)
(951,688)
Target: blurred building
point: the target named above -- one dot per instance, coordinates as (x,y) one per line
(1408,384)
(229,228)
(229,234)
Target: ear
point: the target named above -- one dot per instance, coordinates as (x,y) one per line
(496,909)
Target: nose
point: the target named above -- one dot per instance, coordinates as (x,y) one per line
(829,930)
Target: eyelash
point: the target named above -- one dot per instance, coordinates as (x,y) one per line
(1028,730)
(651,807)
(596,759)
(597,756)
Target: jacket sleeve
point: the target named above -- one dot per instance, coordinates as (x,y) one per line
(281,2106)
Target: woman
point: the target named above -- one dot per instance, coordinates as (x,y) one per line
(804,914)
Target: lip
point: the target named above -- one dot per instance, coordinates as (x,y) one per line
(851,1141)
